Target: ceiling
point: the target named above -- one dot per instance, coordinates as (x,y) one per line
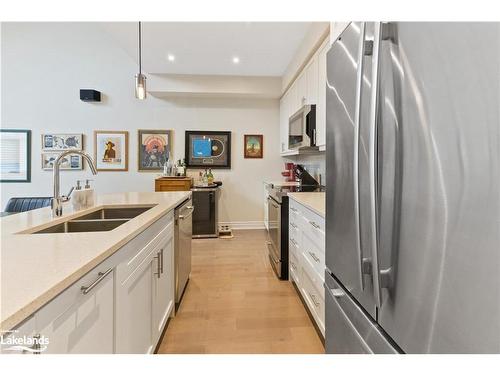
(263,48)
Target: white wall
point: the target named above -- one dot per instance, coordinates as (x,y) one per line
(45,64)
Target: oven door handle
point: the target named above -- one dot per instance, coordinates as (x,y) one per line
(272,252)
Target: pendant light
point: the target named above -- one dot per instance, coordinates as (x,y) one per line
(140,79)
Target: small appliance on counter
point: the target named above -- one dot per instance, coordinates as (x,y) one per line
(277,216)
(289,172)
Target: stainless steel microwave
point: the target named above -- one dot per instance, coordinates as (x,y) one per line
(302,128)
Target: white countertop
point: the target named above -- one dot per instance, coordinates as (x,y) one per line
(315,201)
(37,267)
(283,183)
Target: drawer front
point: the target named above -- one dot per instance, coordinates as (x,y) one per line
(295,235)
(295,213)
(314,297)
(313,254)
(314,227)
(173,185)
(142,245)
(294,265)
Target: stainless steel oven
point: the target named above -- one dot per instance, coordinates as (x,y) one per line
(274,235)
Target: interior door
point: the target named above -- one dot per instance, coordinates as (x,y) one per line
(344,253)
(439,183)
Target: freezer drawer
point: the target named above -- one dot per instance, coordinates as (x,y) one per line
(348,328)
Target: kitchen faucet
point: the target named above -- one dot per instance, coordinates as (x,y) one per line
(58,200)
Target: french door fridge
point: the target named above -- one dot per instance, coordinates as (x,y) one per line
(413,176)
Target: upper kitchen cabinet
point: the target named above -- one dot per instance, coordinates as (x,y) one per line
(311,73)
(321,103)
(308,88)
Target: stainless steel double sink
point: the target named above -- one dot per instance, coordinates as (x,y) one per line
(102,220)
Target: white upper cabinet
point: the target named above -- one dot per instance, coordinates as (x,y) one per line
(308,88)
(301,91)
(284,122)
(321,104)
(311,72)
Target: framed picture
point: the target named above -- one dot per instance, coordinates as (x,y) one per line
(208,149)
(15,155)
(155,147)
(111,150)
(62,142)
(254,146)
(68,163)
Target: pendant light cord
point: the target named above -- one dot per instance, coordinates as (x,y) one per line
(140,50)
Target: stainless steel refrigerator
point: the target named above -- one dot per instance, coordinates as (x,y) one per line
(413,179)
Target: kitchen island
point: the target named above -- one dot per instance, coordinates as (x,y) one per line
(39,270)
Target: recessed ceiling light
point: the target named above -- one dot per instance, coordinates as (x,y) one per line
(236,59)
(170,57)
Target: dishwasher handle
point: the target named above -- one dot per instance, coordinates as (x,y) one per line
(191,210)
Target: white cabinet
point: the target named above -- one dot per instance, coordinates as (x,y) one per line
(284,122)
(321,104)
(307,258)
(134,302)
(301,97)
(121,306)
(26,329)
(163,286)
(266,207)
(308,88)
(80,320)
(144,294)
(311,72)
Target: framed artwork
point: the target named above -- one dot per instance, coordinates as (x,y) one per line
(254,146)
(62,142)
(111,150)
(15,155)
(68,163)
(208,149)
(155,147)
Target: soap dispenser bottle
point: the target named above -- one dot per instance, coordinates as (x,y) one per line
(89,194)
(78,199)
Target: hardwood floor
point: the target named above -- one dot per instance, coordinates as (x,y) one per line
(234,303)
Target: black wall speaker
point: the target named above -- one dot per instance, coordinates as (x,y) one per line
(89,95)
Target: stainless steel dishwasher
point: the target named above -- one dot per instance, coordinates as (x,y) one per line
(183,233)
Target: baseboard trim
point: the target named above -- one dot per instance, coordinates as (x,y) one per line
(244,224)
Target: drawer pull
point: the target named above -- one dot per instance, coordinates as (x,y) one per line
(316,259)
(314,225)
(313,297)
(102,275)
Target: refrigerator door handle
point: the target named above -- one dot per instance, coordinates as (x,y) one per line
(373,165)
(365,48)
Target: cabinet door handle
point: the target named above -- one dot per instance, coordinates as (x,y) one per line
(314,225)
(161,257)
(313,255)
(102,275)
(313,297)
